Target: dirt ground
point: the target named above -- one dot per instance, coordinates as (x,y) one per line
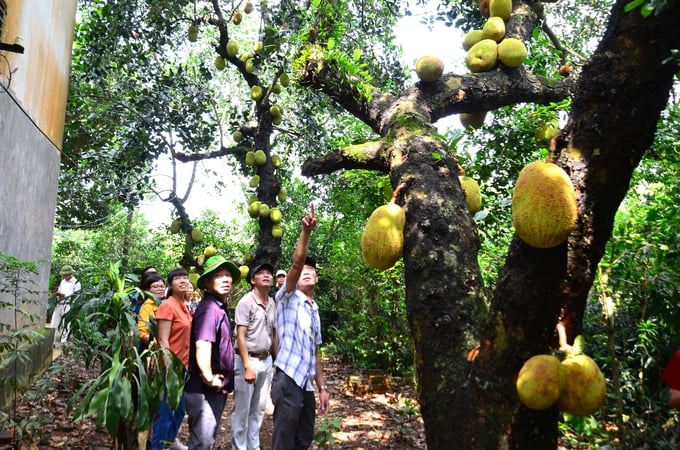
(356,420)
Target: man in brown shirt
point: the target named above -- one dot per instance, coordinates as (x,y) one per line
(255,319)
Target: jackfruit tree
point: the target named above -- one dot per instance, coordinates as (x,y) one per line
(470,339)
(616,100)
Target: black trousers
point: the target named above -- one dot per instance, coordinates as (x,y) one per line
(294,414)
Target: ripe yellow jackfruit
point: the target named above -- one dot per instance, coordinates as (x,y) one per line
(175,226)
(196,235)
(254,209)
(471,38)
(244,271)
(512,52)
(429,68)
(277,231)
(540,381)
(500,8)
(193,278)
(473,197)
(585,388)
(260,157)
(382,242)
(544,209)
(494,28)
(250,158)
(482,56)
(275,215)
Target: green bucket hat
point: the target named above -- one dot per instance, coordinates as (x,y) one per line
(65,270)
(215,262)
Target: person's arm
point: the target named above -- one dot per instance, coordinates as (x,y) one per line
(248,372)
(60,294)
(203,356)
(164,332)
(142,323)
(321,384)
(275,344)
(308,224)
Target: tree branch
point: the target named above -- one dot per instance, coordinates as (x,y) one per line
(237,150)
(368,156)
(452,94)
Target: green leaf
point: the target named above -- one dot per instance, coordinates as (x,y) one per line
(124,394)
(632,5)
(647,9)
(99,399)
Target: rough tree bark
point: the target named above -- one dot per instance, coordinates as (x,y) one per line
(617,101)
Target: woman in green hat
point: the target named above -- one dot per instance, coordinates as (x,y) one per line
(211,357)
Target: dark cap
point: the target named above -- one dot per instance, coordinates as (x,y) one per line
(259,268)
(309,261)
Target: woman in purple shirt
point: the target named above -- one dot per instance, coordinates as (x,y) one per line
(211,354)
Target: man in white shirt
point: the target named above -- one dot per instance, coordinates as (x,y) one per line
(67,287)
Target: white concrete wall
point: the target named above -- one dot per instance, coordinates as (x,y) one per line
(29,171)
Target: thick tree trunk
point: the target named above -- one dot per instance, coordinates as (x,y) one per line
(443,290)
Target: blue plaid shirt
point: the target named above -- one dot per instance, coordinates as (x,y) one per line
(298,329)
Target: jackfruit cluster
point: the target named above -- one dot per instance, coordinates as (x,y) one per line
(575,384)
(489,45)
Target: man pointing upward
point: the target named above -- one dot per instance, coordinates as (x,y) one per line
(298,362)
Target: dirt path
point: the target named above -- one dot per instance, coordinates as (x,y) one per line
(387,420)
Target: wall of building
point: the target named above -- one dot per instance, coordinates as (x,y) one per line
(28,194)
(33,91)
(39,77)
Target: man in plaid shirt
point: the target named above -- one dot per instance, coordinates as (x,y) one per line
(298,362)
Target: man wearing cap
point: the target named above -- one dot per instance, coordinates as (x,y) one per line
(298,361)
(280,279)
(211,353)
(255,319)
(67,287)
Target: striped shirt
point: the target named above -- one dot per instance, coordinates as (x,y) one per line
(298,330)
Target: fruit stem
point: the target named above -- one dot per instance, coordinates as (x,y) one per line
(461,171)
(396,192)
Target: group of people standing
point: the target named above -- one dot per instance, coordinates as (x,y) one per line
(274,349)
